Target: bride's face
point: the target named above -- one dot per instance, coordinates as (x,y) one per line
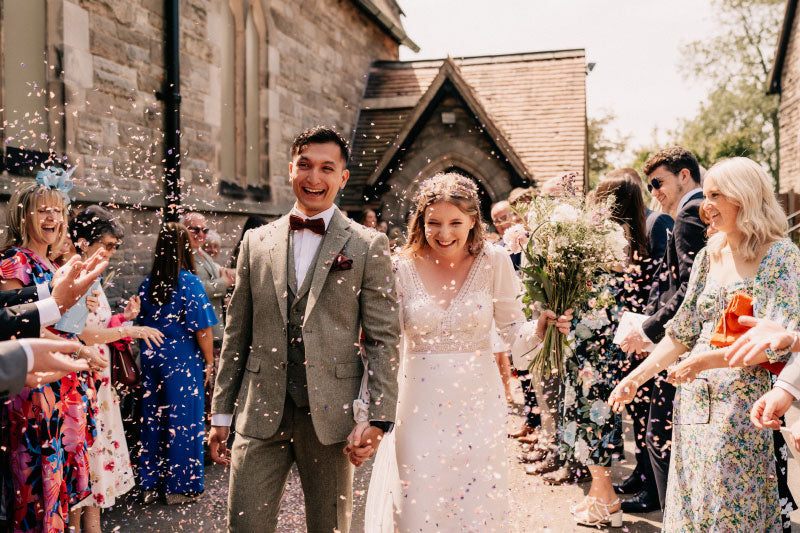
(447,228)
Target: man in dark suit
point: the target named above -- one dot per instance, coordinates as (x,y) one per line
(673,176)
(23,312)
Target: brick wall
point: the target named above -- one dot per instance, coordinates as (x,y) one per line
(789,148)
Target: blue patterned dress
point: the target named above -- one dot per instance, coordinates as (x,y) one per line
(722,475)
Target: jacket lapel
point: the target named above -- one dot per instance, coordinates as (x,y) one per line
(335,238)
(278,258)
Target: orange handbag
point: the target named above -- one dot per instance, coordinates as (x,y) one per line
(728,328)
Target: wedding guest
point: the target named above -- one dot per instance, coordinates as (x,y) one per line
(712,485)
(589,429)
(216,280)
(641,481)
(46,426)
(111,474)
(396,238)
(383,227)
(674,180)
(503,217)
(549,393)
(174,301)
(213,244)
(369,218)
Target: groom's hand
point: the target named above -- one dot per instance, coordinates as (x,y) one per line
(218,445)
(362,443)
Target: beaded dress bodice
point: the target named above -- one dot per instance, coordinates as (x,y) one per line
(489,292)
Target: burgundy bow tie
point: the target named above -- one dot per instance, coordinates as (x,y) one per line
(317,225)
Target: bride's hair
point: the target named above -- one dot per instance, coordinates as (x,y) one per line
(448,187)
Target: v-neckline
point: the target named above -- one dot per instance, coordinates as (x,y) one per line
(467,280)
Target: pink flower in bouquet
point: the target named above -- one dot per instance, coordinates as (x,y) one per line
(516,237)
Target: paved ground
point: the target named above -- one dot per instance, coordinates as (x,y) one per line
(536,506)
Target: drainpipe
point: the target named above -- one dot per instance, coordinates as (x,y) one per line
(171,95)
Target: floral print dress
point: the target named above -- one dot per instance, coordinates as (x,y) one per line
(589,430)
(722,475)
(109,461)
(47,431)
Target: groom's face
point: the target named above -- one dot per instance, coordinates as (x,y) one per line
(317,174)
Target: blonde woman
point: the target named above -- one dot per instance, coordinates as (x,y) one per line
(722,476)
(450,435)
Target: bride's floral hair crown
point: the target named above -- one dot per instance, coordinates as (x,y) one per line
(453,188)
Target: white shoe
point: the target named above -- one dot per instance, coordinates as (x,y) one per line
(596,513)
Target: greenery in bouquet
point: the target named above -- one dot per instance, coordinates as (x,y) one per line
(568,244)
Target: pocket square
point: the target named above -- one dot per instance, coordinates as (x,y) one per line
(341,262)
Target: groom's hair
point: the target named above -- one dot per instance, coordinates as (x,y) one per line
(321,135)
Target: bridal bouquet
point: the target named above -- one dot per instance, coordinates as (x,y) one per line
(568,244)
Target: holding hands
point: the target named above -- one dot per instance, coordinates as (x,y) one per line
(362,443)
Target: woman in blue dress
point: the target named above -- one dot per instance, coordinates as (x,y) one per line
(175,303)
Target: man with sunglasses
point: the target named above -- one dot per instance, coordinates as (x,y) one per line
(673,177)
(216,281)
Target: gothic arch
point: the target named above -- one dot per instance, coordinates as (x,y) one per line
(436,158)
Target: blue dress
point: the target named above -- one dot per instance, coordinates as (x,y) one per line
(171,460)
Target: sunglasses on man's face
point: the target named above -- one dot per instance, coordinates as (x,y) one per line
(655,184)
(195,229)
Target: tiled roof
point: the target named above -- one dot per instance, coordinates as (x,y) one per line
(537,101)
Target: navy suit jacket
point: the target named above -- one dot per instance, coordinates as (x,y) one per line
(669,288)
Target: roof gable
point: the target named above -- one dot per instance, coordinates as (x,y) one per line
(774,82)
(449,71)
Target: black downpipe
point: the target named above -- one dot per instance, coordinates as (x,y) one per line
(171,94)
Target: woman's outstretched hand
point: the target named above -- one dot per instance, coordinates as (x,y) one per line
(763,334)
(623,394)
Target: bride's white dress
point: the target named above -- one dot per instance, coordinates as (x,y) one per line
(451,411)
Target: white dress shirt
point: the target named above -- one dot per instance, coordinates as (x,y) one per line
(306,243)
(785,384)
(48,308)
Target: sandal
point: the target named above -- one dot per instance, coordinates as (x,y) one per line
(597,513)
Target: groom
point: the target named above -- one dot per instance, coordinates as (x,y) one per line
(306,286)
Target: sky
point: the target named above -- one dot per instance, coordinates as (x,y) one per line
(636,45)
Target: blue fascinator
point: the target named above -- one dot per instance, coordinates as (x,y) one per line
(56,178)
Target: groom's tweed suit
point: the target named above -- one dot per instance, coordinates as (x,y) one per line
(258,363)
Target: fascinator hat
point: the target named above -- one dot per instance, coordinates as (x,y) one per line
(56,179)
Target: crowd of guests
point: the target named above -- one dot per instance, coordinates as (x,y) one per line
(697,383)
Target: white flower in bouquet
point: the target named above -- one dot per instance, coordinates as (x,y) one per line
(516,237)
(565,214)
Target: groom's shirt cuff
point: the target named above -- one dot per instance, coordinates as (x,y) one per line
(221,420)
(788,387)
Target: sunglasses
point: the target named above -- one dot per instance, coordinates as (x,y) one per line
(655,184)
(111,246)
(195,229)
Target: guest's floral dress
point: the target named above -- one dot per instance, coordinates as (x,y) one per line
(109,461)
(47,431)
(589,432)
(722,475)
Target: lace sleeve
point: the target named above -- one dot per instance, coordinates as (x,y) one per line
(515,331)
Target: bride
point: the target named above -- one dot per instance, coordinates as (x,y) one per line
(449,441)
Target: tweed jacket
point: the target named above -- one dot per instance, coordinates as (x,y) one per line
(341,304)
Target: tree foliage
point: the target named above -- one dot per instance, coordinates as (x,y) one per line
(738,117)
(603,145)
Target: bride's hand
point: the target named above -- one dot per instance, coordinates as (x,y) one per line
(548,318)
